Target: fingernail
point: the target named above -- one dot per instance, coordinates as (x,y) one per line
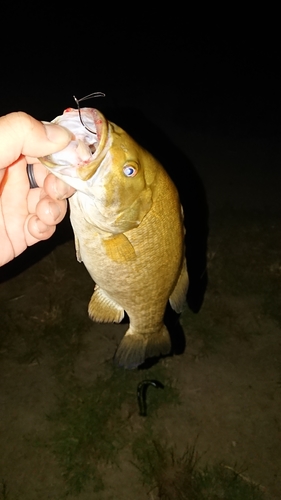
(54,210)
(58,134)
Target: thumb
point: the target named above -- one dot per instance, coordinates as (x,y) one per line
(21,134)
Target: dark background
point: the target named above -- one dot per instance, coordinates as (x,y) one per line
(210,65)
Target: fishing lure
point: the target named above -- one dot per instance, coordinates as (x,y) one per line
(141,394)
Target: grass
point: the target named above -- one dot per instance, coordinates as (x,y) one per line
(92,423)
(173,477)
(58,330)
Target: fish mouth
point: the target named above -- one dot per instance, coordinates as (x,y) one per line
(99,147)
(84,153)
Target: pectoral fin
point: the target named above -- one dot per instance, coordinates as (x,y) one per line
(119,249)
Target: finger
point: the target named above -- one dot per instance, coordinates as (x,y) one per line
(14,205)
(35,230)
(39,173)
(56,188)
(50,211)
(23,134)
(6,251)
(33,198)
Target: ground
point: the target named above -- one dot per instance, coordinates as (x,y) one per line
(70,422)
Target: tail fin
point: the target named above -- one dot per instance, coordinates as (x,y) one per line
(136,347)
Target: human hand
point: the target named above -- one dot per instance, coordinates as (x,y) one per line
(29,215)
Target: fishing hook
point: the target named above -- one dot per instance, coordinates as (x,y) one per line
(89,96)
(141,394)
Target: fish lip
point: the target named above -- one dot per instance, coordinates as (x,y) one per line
(99,121)
(85,172)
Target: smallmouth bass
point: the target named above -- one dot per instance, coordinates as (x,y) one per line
(129,232)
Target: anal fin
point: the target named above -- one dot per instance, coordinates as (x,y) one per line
(103,309)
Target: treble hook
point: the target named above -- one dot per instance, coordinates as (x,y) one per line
(89,96)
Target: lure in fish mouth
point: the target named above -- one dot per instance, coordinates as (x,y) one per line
(128,225)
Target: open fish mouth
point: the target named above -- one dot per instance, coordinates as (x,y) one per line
(89,129)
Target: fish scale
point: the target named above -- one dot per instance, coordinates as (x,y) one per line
(129,233)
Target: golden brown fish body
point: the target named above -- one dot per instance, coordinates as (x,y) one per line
(128,226)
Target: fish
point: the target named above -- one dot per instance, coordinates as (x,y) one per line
(128,226)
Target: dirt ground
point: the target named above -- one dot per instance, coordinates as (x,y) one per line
(226,370)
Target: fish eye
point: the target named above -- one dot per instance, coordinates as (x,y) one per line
(130,171)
